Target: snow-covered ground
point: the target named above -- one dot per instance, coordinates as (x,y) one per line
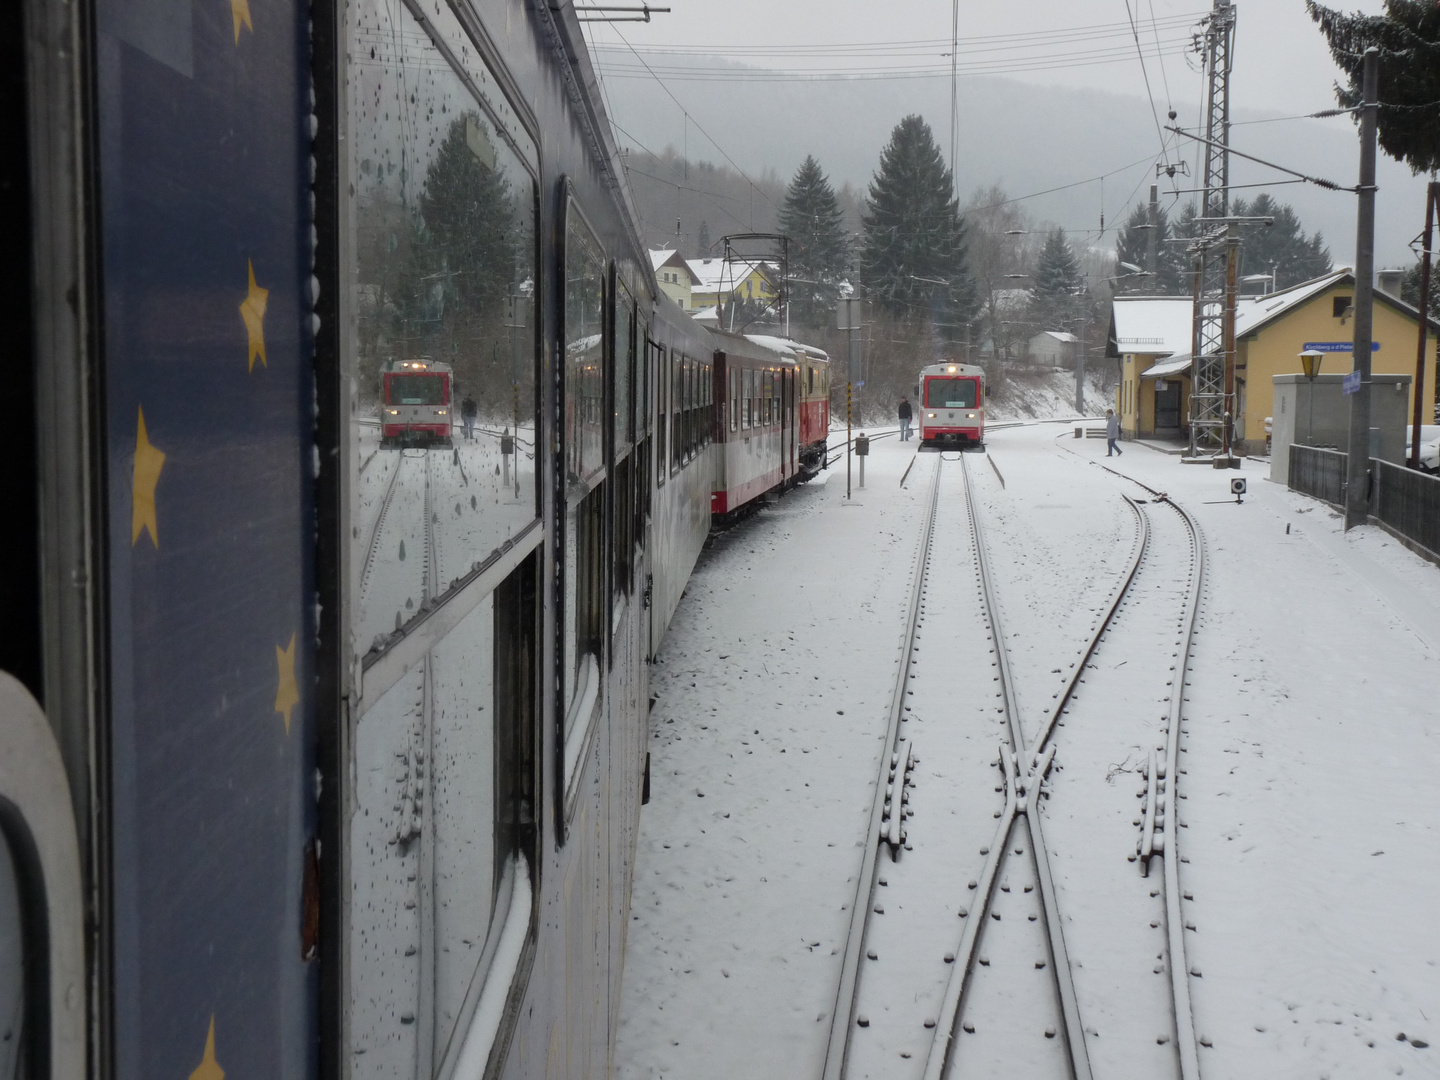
(1309,819)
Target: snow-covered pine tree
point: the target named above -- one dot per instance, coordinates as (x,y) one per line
(1282,248)
(1057,273)
(811,218)
(1408,37)
(912,260)
(1132,247)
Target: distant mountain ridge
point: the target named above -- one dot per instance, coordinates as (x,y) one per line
(1027,138)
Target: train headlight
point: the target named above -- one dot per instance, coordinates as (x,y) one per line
(439,412)
(970,416)
(393,412)
(931,415)
(952,369)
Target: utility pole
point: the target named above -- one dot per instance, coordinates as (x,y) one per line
(1208,422)
(847,318)
(1357,486)
(1152,246)
(1432,197)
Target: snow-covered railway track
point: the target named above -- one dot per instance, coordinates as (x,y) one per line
(910,966)
(400,572)
(1004,995)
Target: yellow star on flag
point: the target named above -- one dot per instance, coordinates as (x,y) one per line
(148,463)
(287,695)
(240,12)
(209,1068)
(252,309)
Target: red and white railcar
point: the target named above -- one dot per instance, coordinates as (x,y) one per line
(814,406)
(415,403)
(952,404)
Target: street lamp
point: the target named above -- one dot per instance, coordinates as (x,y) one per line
(1310,364)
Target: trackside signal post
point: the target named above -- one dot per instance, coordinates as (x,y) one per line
(847,318)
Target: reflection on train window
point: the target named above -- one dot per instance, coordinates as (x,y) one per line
(747,387)
(662,421)
(444,823)
(677,405)
(584,350)
(624,362)
(443,349)
(950,393)
(12,969)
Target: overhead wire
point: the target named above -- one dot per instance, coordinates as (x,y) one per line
(690,118)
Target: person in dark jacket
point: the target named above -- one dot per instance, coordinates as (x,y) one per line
(468,411)
(904,413)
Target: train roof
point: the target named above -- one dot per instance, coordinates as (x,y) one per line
(790,346)
(750,348)
(952,368)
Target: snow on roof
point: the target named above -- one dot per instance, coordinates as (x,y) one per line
(784,346)
(1253,312)
(1059,335)
(1174,365)
(1152,324)
(1162,325)
(661,256)
(713,274)
(705,315)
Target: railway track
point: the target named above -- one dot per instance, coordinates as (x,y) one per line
(923,993)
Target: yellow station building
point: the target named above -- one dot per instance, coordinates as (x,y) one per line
(1151,337)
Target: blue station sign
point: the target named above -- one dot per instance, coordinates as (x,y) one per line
(1338,346)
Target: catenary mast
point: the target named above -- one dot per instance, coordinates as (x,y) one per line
(1212,345)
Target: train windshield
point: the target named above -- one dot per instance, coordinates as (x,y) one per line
(417,390)
(950,393)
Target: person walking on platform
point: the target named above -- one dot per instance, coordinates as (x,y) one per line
(468,411)
(1112,433)
(904,413)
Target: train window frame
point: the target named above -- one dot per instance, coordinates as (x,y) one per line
(677,400)
(662,416)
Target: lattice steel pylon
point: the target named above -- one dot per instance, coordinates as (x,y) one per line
(1212,343)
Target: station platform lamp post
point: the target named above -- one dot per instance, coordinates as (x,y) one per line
(1310,361)
(848,318)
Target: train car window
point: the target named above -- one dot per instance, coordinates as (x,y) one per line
(621,519)
(584,603)
(944,393)
(584,352)
(767,396)
(734,401)
(746,393)
(662,420)
(440,318)
(624,320)
(677,404)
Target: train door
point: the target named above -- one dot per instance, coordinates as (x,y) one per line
(209,542)
(792,419)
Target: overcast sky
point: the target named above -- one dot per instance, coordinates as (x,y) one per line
(1281,62)
(1282,67)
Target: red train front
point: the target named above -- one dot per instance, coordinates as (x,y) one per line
(415,402)
(952,404)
